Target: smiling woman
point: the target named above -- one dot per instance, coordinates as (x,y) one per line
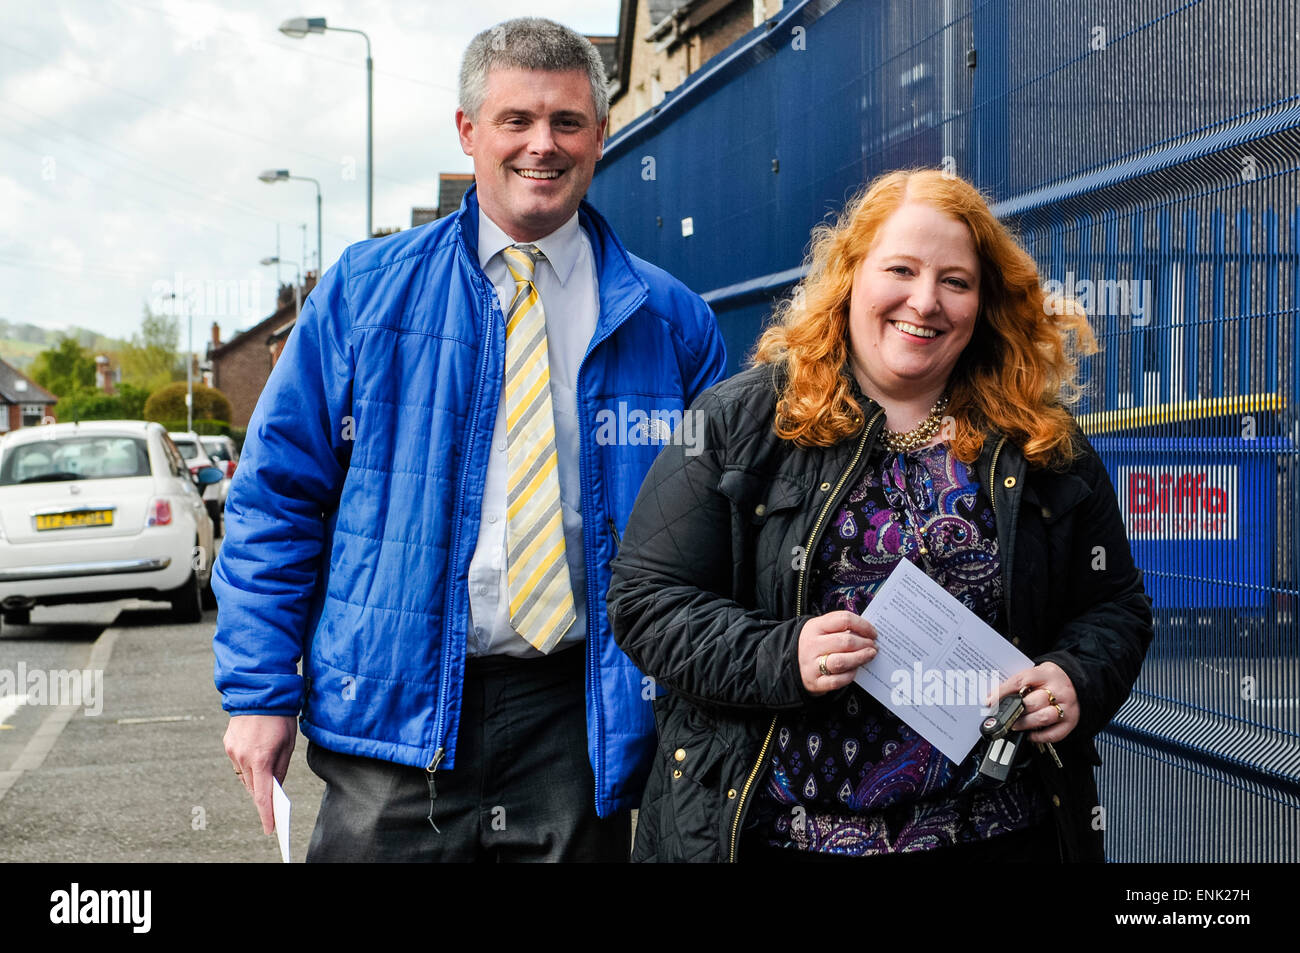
(909,404)
(923,249)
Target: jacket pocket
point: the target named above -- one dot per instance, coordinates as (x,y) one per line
(1057,498)
(689,758)
(757,497)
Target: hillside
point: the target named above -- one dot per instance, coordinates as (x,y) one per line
(20,342)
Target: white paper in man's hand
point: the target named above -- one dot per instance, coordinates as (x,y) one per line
(280,811)
(936,661)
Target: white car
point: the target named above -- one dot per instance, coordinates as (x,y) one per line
(196,457)
(101,510)
(225,457)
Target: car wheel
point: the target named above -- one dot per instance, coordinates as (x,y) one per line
(186,600)
(18,617)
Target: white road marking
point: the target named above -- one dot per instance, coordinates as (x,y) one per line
(152,720)
(42,742)
(10,704)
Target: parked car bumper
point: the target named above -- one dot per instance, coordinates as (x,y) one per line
(104,569)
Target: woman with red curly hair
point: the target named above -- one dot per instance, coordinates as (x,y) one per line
(909,402)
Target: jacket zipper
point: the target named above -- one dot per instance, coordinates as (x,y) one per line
(596,730)
(444,681)
(993,494)
(798,609)
(433,791)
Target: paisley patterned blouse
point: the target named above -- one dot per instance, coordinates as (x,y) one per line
(845,776)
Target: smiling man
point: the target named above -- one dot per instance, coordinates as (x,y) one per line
(426,511)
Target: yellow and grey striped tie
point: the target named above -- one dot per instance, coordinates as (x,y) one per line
(541,594)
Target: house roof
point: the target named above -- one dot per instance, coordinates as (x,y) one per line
(17,388)
(261,331)
(276,324)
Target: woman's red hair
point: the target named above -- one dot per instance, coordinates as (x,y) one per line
(1016,376)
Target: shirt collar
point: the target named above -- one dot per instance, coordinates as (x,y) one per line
(561,247)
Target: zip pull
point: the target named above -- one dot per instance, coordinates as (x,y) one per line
(433,791)
(1052,752)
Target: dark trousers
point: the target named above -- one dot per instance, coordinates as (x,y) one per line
(522,788)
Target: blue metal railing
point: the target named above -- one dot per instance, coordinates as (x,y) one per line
(1147,151)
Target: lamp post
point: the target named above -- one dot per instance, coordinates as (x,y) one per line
(297,284)
(189,362)
(271,176)
(299,27)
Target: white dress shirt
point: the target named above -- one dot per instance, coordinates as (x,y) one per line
(566,281)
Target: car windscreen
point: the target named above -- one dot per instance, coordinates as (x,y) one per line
(82,457)
(188,448)
(216,450)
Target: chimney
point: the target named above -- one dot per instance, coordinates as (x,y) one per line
(216,334)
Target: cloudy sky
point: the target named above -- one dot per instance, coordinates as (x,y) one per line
(132,133)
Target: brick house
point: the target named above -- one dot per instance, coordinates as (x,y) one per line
(23,402)
(241,366)
(662,42)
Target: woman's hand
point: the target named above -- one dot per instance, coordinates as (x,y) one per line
(1051,709)
(831,649)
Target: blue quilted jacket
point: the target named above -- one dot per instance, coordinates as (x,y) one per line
(355,507)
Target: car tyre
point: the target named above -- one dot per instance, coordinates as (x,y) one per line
(18,617)
(187,601)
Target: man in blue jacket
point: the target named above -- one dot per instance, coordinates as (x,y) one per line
(433,487)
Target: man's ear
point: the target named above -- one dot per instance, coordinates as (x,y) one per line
(465,129)
(600,148)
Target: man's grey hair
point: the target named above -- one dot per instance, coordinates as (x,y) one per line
(529,43)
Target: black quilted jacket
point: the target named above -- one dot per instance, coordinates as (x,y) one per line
(708,598)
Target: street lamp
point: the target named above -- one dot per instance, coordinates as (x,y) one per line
(189,364)
(271,176)
(299,27)
(297,284)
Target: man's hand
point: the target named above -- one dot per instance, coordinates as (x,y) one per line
(831,649)
(259,746)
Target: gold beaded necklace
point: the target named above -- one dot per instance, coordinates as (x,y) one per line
(919,435)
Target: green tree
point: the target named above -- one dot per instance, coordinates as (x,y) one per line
(151,358)
(167,404)
(65,370)
(126,404)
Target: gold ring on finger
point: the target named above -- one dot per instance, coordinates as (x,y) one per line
(1060,712)
(1051,699)
(821,664)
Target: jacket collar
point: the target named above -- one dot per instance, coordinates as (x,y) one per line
(622,290)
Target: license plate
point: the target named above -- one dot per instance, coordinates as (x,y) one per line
(73,520)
